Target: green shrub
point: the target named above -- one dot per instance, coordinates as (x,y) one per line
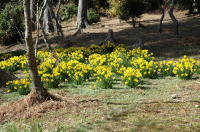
(11,23)
(69,11)
(93,16)
(126,9)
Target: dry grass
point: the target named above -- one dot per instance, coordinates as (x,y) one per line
(149,107)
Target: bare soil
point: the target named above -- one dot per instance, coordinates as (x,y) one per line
(164,45)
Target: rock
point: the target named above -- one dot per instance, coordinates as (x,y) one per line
(175,96)
(197,106)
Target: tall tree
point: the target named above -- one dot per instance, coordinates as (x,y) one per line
(47,19)
(82,21)
(38,90)
(164,4)
(33,8)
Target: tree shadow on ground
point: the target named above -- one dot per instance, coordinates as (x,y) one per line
(166,45)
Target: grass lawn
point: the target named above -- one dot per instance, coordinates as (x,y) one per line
(168,104)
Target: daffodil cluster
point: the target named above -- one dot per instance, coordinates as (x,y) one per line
(97,59)
(104,76)
(101,63)
(78,72)
(166,68)
(149,69)
(118,58)
(47,66)
(138,53)
(185,68)
(14,63)
(77,55)
(42,55)
(22,86)
(130,76)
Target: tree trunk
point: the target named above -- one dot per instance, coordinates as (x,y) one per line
(38,88)
(57,13)
(161,20)
(55,16)
(41,24)
(48,24)
(37,29)
(82,21)
(6,76)
(33,8)
(171,14)
(161,4)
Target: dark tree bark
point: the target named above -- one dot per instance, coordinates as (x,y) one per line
(161,19)
(171,14)
(38,90)
(55,16)
(6,76)
(33,8)
(82,21)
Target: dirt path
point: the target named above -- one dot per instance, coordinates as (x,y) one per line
(163,45)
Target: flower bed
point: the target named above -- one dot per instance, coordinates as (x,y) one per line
(102,64)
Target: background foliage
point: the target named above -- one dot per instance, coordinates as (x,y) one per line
(11,23)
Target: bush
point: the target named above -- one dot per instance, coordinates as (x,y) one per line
(188,4)
(93,16)
(11,23)
(153,5)
(69,11)
(126,9)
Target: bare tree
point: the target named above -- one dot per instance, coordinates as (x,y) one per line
(55,16)
(40,25)
(38,90)
(47,18)
(171,4)
(43,23)
(33,8)
(82,21)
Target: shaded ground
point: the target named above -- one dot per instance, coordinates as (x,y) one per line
(165,45)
